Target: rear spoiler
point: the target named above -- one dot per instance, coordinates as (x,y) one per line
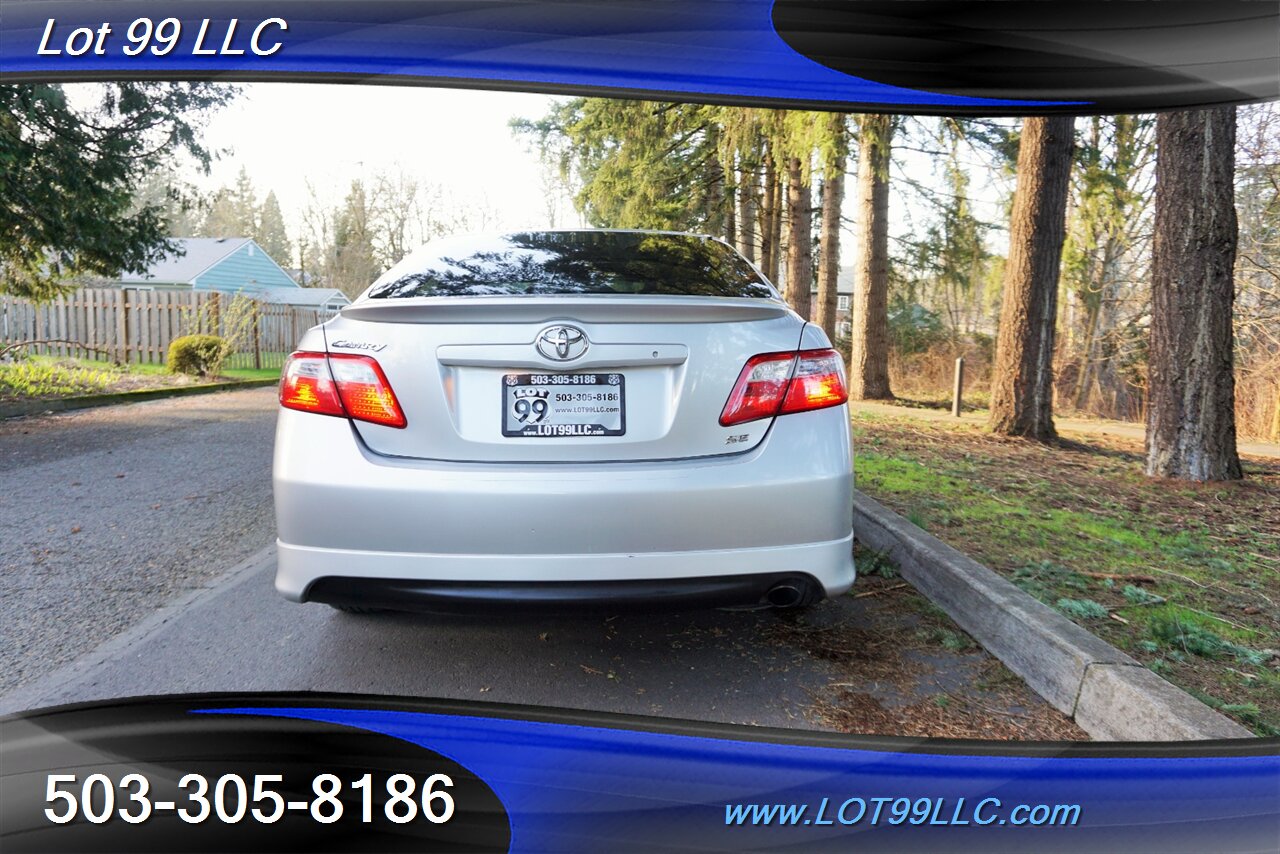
(587,309)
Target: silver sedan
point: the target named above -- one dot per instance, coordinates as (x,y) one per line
(565,418)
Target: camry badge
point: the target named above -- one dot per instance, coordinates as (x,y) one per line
(562,343)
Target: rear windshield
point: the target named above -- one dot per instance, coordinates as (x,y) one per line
(573,262)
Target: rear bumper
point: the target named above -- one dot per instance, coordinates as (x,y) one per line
(357,520)
(785,589)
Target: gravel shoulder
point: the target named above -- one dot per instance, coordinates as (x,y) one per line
(107,514)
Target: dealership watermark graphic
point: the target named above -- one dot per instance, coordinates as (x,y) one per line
(896,811)
(164,37)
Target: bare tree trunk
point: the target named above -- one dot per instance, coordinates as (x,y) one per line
(799,238)
(1022,377)
(773,234)
(714,206)
(747,217)
(832,202)
(869,349)
(771,218)
(730,207)
(1191,428)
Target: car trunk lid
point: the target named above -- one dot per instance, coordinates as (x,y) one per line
(646,380)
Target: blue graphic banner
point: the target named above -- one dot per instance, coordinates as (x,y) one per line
(901,56)
(338,773)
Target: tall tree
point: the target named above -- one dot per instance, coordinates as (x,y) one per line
(771,216)
(180,203)
(271,233)
(355,261)
(1107,219)
(1191,429)
(399,216)
(69,174)
(1022,376)
(638,164)
(869,350)
(799,237)
(748,192)
(233,211)
(835,152)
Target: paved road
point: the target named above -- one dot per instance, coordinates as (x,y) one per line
(243,637)
(120,534)
(106,514)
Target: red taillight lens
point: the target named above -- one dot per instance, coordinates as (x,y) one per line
(818,383)
(342,384)
(307,385)
(759,390)
(781,383)
(365,392)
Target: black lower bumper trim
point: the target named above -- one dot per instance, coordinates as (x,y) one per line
(668,594)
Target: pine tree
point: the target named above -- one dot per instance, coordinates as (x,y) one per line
(271,233)
(835,152)
(869,349)
(1191,429)
(1022,377)
(69,178)
(355,263)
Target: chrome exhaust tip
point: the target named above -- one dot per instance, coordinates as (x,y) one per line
(784,595)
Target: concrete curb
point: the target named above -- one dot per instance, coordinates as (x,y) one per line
(1108,694)
(87,401)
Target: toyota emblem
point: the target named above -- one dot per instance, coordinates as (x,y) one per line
(562,343)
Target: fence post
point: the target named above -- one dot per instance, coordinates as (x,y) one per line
(257,335)
(215,313)
(122,326)
(958,389)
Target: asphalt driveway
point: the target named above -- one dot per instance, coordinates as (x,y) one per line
(135,550)
(106,514)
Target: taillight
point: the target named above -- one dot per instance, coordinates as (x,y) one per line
(341,384)
(818,383)
(365,392)
(781,383)
(759,390)
(307,385)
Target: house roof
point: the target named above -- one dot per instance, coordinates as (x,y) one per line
(302,296)
(198,255)
(844,282)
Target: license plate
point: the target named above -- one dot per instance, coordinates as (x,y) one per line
(553,406)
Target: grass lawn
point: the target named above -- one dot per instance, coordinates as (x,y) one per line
(1183,577)
(49,377)
(251,373)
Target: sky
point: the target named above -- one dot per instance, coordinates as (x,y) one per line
(289,135)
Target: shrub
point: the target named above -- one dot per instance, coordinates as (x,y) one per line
(914,328)
(198,355)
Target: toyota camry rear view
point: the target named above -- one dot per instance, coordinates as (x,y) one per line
(565,417)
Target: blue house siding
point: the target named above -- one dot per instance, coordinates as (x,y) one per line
(247,269)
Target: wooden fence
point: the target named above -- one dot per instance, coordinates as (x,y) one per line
(136,326)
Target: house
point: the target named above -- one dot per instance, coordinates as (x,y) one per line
(844,293)
(231,265)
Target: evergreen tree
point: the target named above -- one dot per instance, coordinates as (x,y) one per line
(1191,429)
(355,263)
(271,234)
(69,177)
(233,211)
(1022,379)
(869,349)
